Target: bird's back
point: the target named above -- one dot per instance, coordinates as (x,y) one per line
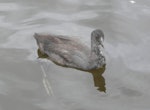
(64,50)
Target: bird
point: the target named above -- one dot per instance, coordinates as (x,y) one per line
(70,52)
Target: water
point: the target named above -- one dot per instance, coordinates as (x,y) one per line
(27,82)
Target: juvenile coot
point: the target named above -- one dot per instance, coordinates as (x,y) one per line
(69,52)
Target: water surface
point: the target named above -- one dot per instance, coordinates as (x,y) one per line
(29,82)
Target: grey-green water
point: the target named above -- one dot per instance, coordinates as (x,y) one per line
(27,82)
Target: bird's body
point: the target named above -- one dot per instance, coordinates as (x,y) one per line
(69,52)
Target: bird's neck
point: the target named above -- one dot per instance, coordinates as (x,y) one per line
(96,57)
(95,50)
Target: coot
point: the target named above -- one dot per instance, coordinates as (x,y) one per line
(69,52)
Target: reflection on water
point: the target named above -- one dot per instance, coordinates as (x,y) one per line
(99,80)
(46,82)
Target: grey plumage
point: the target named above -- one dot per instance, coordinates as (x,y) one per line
(69,52)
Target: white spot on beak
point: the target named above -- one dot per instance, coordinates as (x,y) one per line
(102,40)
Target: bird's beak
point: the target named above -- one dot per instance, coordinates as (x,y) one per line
(101,42)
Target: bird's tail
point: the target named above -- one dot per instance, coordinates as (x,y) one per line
(36,36)
(39,42)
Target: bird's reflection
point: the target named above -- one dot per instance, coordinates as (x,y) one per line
(99,80)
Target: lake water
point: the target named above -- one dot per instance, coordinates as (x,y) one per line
(31,83)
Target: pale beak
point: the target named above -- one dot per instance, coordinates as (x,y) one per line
(101,42)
